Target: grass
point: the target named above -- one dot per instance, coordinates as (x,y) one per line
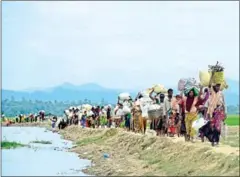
(97,139)
(41,142)
(90,140)
(232,120)
(232,138)
(10,144)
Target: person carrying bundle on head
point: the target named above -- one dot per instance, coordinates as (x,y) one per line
(190,112)
(217,112)
(158,124)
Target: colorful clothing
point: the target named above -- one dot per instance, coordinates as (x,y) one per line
(171,124)
(189,119)
(218,117)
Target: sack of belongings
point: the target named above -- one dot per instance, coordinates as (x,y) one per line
(217,72)
(124,96)
(159,88)
(199,123)
(145,111)
(186,83)
(126,110)
(181,84)
(87,107)
(194,89)
(154,111)
(119,113)
(204,77)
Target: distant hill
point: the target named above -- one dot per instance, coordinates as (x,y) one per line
(95,93)
(66,92)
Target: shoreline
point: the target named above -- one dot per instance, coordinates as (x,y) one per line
(145,155)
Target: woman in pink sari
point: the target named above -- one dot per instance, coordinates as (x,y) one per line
(216,113)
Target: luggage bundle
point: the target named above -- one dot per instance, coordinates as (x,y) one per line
(154,111)
(159,89)
(187,84)
(217,74)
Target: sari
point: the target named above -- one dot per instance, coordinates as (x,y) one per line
(216,109)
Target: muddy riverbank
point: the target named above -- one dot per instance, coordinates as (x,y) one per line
(134,154)
(116,152)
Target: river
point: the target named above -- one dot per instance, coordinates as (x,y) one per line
(39,159)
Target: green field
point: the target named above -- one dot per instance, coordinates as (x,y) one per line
(232,120)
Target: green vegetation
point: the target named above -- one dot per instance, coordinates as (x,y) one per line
(9,145)
(41,142)
(12,107)
(97,139)
(232,120)
(232,138)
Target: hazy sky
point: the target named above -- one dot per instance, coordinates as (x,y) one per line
(116,44)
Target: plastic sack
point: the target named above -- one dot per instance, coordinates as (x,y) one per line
(194,89)
(124,96)
(198,123)
(145,100)
(145,111)
(126,110)
(159,88)
(204,77)
(191,82)
(153,107)
(119,112)
(87,107)
(181,84)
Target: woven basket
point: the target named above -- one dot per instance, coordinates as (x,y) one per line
(218,78)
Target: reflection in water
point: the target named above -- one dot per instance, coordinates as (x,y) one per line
(39,159)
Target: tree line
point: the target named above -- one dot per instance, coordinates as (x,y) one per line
(12,107)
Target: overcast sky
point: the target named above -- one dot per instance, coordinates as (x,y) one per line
(116,44)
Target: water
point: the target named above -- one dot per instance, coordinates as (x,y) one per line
(39,159)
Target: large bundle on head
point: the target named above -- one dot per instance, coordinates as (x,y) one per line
(188,84)
(159,88)
(217,78)
(87,107)
(217,73)
(205,76)
(124,96)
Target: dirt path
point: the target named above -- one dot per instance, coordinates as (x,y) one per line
(136,154)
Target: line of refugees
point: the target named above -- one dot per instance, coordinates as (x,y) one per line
(180,111)
(93,121)
(31,118)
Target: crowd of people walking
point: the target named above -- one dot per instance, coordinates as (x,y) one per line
(198,110)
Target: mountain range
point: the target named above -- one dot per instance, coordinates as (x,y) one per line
(96,93)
